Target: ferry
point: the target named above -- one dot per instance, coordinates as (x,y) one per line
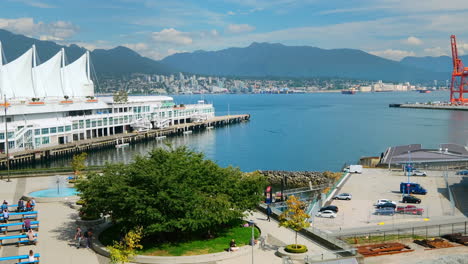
(424,91)
(349,91)
(54,103)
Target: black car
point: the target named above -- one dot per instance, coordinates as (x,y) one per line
(386,205)
(411,199)
(330,207)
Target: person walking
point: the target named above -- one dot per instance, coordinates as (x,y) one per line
(78,237)
(268,212)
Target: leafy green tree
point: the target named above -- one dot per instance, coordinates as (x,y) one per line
(294,216)
(124,250)
(173,191)
(78,163)
(120,97)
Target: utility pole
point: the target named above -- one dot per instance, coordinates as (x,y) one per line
(5,105)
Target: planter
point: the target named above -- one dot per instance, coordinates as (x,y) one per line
(91,101)
(90,223)
(66,102)
(294,256)
(36,103)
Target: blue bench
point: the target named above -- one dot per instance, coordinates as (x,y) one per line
(24,215)
(19,237)
(4,227)
(21,257)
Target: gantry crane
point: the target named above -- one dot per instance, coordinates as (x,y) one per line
(459,85)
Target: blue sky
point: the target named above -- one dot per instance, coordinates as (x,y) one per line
(389,28)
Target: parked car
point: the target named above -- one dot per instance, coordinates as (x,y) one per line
(329,208)
(386,205)
(462,172)
(343,196)
(326,214)
(410,209)
(385,211)
(411,199)
(382,201)
(419,173)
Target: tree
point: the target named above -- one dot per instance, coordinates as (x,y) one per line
(120,97)
(174,191)
(124,250)
(294,216)
(78,163)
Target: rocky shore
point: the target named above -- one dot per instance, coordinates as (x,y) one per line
(300,178)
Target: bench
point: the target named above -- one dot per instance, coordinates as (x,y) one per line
(24,215)
(21,257)
(4,227)
(19,237)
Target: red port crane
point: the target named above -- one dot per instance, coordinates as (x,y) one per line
(459,85)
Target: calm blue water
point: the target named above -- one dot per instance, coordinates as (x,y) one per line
(53,193)
(311,131)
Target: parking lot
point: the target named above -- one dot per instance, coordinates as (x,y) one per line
(374,184)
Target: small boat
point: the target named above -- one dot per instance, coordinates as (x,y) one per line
(424,91)
(349,91)
(188,132)
(121,145)
(160,137)
(209,127)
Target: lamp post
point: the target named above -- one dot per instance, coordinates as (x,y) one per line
(252,241)
(5,105)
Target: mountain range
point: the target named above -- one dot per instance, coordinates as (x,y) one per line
(256,60)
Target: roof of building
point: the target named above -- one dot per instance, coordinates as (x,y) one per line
(415,153)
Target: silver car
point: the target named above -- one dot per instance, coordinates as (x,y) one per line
(326,214)
(419,173)
(343,196)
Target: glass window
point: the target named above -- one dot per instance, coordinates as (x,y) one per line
(81,124)
(88,123)
(75,126)
(60,129)
(105,121)
(2,135)
(53,130)
(99,123)
(37,142)
(11,134)
(11,144)
(45,131)
(68,128)
(45,140)
(94,123)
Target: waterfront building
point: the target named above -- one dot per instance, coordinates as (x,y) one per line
(54,103)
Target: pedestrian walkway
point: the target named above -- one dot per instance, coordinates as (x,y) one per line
(267,254)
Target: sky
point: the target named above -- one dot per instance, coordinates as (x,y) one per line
(154,28)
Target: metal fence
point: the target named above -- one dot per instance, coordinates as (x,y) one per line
(421,232)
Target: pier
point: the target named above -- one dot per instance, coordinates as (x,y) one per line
(432,106)
(42,154)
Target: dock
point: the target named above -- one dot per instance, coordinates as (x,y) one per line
(432,106)
(43,154)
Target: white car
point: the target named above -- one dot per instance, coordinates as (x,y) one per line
(419,173)
(384,201)
(326,214)
(343,196)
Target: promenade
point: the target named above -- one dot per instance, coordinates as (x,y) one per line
(57,227)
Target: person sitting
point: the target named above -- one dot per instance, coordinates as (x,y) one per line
(20,207)
(26,225)
(31,237)
(4,206)
(28,206)
(6,216)
(31,257)
(33,203)
(233,246)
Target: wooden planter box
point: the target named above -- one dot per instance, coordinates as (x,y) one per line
(36,103)
(66,102)
(91,101)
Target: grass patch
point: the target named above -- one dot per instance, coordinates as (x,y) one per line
(191,247)
(380,238)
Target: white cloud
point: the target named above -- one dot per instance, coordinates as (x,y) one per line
(172,36)
(34,3)
(231,13)
(239,28)
(413,41)
(393,54)
(436,51)
(151,51)
(56,31)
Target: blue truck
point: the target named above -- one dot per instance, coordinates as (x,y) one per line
(414,188)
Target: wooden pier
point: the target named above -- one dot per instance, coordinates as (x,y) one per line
(42,154)
(432,106)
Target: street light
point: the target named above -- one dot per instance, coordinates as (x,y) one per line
(252,241)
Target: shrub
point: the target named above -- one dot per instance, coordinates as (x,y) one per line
(295,248)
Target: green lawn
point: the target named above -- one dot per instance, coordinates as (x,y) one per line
(242,236)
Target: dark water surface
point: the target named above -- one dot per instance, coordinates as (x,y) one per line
(310,131)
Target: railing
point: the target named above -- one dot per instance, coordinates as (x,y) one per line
(335,254)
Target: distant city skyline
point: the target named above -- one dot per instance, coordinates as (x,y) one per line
(388,28)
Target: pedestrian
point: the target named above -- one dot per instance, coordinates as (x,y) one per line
(20,207)
(4,206)
(31,257)
(33,203)
(78,237)
(268,212)
(89,236)
(26,225)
